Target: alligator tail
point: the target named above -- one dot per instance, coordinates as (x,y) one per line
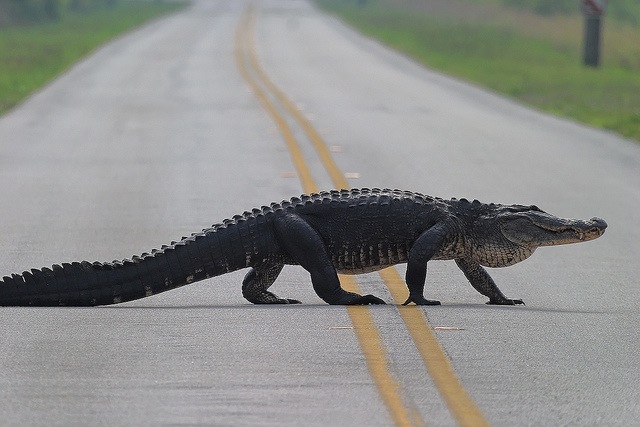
(220,249)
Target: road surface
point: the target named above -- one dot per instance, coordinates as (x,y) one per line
(158,134)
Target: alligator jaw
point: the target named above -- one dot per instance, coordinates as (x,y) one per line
(536,228)
(570,229)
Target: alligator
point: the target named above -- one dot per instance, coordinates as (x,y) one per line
(341,231)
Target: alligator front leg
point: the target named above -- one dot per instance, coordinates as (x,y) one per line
(483,283)
(258,280)
(423,249)
(306,247)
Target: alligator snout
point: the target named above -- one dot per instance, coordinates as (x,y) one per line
(599,223)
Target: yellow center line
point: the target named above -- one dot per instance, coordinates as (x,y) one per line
(461,405)
(243,49)
(364,326)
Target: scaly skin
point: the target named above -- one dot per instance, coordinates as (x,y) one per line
(349,232)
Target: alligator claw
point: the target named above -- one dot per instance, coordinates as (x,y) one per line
(366,300)
(280,301)
(420,300)
(506,302)
(350,298)
(266,297)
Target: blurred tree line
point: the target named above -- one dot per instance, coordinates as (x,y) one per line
(30,11)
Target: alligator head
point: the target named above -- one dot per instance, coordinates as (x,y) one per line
(534,227)
(505,235)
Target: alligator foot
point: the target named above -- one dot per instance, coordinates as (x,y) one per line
(266,297)
(420,300)
(506,301)
(350,298)
(287,301)
(366,300)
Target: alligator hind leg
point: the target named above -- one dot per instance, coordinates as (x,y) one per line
(483,283)
(306,247)
(258,280)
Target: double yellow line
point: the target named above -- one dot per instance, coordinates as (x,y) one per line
(462,407)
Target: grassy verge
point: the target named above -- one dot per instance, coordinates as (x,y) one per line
(32,55)
(534,58)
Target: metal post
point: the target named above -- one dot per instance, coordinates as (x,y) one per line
(593,11)
(592,26)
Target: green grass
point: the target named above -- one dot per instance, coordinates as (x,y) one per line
(31,55)
(533,58)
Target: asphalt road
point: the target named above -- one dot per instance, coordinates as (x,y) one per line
(157,135)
